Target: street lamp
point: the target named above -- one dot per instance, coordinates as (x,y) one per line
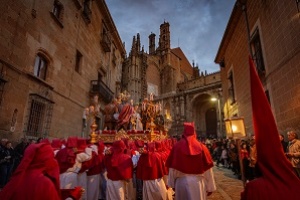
(235,128)
(219,113)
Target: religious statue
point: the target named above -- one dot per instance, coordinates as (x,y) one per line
(111,111)
(136,123)
(91,114)
(126,110)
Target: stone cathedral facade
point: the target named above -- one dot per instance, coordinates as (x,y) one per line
(180,87)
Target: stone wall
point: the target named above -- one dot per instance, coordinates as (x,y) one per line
(29,28)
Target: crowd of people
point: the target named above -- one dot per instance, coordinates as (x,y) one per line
(145,170)
(125,169)
(226,153)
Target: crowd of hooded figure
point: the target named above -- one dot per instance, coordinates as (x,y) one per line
(125,169)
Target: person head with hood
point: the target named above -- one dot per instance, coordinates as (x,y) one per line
(189,155)
(37,176)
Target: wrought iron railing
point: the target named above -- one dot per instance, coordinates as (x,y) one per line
(99,87)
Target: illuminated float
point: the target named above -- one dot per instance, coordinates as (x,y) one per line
(153,123)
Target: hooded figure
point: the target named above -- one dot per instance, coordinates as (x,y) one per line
(83,162)
(37,176)
(68,169)
(190,164)
(119,171)
(150,169)
(56,145)
(277,180)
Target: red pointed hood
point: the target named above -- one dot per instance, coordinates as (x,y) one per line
(278,180)
(56,144)
(189,134)
(189,155)
(38,161)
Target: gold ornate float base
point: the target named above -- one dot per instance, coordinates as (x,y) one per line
(147,136)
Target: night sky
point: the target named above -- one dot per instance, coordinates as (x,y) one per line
(196,26)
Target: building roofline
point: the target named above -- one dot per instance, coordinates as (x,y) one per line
(112,27)
(233,20)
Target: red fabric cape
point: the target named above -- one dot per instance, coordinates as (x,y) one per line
(98,161)
(119,165)
(66,159)
(278,180)
(150,165)
(81,144)
(122,171)
(98,165)
(189,164)
(37,176)
(56,144)
(189,155)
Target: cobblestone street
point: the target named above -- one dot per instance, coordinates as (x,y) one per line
(228,186)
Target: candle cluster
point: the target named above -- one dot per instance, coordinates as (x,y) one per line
(148,104)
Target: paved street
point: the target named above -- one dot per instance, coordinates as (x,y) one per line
(228,186)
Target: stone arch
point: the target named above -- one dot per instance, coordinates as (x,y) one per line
(204,114)
(45,54)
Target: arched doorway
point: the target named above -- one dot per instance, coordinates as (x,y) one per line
(211,123)
(204,115)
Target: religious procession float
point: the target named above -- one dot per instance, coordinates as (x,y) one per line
(125,120)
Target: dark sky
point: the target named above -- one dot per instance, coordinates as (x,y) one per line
(196,26)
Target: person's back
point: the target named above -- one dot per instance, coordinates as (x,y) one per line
(150,169)
(190,166)
(41,187)
(119,171)
(37,176)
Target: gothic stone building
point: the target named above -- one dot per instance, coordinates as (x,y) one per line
(53,56)
(270,29)
(183,92)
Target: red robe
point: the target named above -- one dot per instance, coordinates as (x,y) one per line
(278,180)
(189,155)
(37,176)
(150,165)
(119,165)
(125,115)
